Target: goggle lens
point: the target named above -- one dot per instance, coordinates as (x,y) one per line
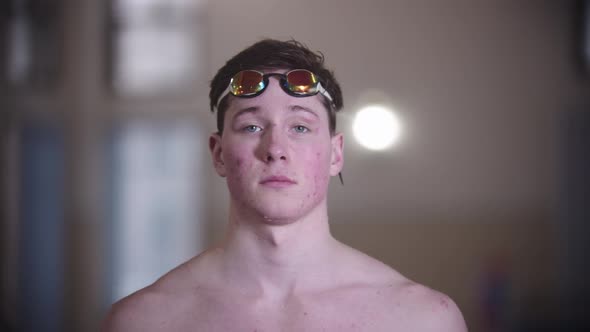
(302,82)
(247,82)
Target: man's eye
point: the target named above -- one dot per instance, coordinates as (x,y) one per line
(252,128)
(300,129)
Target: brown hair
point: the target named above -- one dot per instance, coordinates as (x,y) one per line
(275,54)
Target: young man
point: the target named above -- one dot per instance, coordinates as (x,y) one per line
(279,268)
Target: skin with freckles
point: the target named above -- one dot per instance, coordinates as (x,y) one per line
(279,268)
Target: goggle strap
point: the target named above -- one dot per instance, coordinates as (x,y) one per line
(223,95)
(325,92)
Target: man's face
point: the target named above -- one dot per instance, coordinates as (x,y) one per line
(277,154)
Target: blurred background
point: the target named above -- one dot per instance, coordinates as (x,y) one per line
(106,181)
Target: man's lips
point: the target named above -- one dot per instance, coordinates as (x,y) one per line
(277,180)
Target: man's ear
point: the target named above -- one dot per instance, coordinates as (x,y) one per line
(337,156)
(216,155)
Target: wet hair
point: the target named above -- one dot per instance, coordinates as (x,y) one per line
(275,54)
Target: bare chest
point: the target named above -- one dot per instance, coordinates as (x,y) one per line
(331,313)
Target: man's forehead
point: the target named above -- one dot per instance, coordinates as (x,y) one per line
(290,109)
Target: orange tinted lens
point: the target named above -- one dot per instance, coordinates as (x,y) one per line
(301,81)
(246,82)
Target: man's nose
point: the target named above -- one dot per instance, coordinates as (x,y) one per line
(274,145)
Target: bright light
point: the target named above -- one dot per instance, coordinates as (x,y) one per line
(375,127)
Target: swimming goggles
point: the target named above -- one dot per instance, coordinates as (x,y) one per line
(297,82)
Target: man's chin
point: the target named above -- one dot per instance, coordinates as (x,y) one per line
(277,210)
(278,218)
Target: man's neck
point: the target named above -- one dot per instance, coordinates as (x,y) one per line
(277,260)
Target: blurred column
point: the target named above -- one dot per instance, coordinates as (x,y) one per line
(82,95)
(575,217)
(33,150)
(41,230)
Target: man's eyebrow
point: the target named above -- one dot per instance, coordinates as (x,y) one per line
(247,110)
(304,109)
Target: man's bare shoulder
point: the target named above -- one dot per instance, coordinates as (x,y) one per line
(423,309)
(403,303)
(134,312)
(155,307)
